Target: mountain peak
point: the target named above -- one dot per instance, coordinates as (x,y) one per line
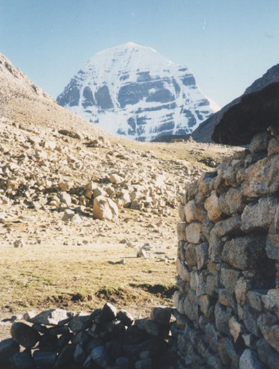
(134,91)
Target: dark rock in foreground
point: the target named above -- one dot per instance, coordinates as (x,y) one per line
(103,339)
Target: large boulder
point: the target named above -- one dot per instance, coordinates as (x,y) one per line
(253,114)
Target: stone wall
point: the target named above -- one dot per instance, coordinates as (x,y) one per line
(227,303)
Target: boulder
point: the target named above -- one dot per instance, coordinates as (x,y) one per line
(8,348)
(104,208)
(253,114)
(24,335)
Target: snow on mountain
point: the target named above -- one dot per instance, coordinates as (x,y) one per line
(134,91)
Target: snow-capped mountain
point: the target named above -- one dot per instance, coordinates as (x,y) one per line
(134,91)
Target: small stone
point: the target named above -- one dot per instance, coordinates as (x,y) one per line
(65,198)
(115,178)
(19,243)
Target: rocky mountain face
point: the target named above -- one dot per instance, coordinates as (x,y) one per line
(205,130)
(134,91)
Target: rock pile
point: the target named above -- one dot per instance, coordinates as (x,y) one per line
(104,339)
(51,169)
(228,263)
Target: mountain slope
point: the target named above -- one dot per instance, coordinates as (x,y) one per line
(134,91)
(204,132)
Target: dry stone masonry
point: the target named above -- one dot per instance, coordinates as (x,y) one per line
(105,338)
(228,250)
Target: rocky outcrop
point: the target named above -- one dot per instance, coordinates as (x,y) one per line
(132,90)
(205,130)
(228,261)
(253,114)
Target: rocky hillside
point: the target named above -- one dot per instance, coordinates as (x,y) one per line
(134,91)
(204,132)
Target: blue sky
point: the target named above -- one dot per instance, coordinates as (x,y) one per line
(226,43)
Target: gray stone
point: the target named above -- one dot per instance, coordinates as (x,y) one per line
(271,300)
(222,317)
(241,288)
(273,147)
(267,354)
(161,314)
(183,270)
(228,227)
(79,354)
(44,359)
(191,306)
(181,231)
(215,246)
(207,304)
(272,246)
(52,317)
(21,361)
(249,360)
(255,299)
(99,356)
(125,317)
(234,200)
(65,356)
(259,216)
(212,336)
(109,313)
(193,233)
(250,321)
(155,329)
(228,278)
(191,255)
(202,255)
(245,252)
(212,284)
(259,142)
(226,298)
(269,327)
(80,322)
(24,335)
(8,348)
(262,178)
(250,340)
